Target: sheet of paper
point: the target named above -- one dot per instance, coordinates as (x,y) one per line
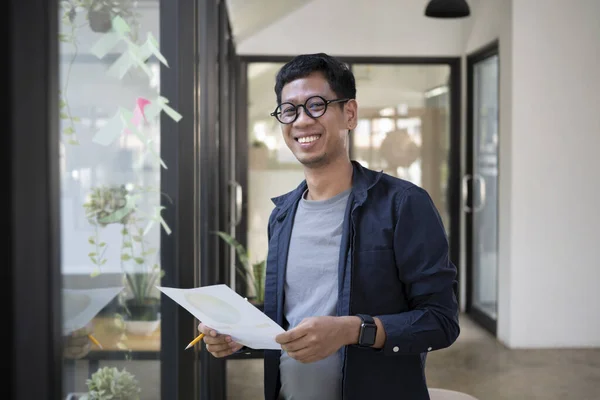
(221,308)
(80,306)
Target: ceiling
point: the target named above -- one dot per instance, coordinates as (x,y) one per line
(248,17)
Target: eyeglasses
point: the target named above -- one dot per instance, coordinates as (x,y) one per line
(314,107)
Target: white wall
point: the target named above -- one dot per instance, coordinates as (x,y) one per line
(358,28)
(555,189)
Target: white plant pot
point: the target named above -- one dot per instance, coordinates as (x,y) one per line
(142,328)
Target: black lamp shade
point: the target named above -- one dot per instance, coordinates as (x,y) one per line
(447,9)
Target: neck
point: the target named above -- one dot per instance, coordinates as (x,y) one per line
(329,180)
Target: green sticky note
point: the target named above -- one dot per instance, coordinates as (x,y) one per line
(162,101)
(120,26)
(152,45)
(155,154)
(105,44)
(127,120)
(119,68)
(152,110)
(134,55)
(109,132)
(164,225)
(144,52)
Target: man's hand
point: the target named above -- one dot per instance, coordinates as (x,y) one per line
(216,344)
(316,338)
(77,344)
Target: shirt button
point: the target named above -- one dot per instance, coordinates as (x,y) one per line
(396,349)
(429,349)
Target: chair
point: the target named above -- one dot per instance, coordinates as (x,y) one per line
(445,394)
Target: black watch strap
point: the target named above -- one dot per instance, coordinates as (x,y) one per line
(367,319)
(368,331)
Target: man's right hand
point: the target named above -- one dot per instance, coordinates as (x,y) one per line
(216,344)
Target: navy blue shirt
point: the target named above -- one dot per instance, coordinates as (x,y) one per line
(393,265)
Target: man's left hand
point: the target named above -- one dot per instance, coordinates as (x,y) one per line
(316,338)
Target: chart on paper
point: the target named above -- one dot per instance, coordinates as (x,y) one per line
(228,313)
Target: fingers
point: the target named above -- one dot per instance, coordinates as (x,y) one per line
(223,349)
(291,335)
(304,355)
(216,344)
(207,330)
(296,345)
(219,339)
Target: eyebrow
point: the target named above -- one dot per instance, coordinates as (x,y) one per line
(294,100)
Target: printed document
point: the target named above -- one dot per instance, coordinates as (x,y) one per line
(228,313)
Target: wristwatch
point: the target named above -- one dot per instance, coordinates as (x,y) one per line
(368,331)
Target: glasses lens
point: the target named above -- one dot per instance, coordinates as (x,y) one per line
(316,106)
(286,113)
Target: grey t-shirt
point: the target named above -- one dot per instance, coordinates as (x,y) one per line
(311,289)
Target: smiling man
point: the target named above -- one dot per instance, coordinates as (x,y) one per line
(357,270)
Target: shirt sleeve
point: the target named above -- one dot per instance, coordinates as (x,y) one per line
(421,253)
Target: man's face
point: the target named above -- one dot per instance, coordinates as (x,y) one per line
(317,141)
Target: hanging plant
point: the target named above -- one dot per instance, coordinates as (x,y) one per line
(98,16)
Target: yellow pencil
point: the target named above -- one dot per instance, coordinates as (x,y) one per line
(193,342)
(95,341)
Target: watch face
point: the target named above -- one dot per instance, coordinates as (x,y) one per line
(368,333)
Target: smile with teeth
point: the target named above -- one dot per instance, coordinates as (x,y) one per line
(308,139)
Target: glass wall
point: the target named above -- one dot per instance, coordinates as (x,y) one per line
(272,168)
(111,215)
(404,125)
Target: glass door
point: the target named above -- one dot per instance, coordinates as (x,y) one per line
(405,129)
(480,186)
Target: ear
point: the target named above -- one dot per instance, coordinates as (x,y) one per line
(351,114)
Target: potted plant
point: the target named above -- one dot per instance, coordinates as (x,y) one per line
(140,300)
(252,273)
(110,383)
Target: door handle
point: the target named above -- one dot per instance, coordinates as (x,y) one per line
(465,192)
(482,193)
(238,195)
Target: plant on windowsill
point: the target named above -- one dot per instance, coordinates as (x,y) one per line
(252,273)
(141,303)
(112,384)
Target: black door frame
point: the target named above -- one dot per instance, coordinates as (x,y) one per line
(33,358)
(477,56)
(180,83)
(454,158)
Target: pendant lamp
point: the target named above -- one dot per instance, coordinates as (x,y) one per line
(447,9)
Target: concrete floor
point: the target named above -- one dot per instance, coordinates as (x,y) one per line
(479,365)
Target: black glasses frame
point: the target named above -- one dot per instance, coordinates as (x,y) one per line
(277,111)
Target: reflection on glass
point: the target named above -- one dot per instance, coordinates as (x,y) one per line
(272,167)
(110,195)
(485,208)
(403,126)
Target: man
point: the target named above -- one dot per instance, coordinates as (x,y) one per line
(357,270)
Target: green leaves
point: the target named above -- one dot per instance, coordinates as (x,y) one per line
(110,383)
(252,273)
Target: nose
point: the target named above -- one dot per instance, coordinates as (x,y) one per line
(303,118)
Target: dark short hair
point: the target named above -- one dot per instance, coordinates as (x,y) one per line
(337,74)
